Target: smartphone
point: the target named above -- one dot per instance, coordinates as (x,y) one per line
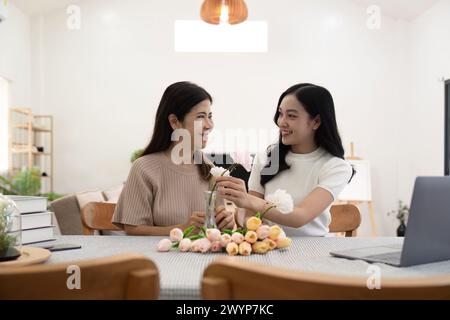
(61,247)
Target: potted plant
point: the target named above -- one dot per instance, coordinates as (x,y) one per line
(136,154)
(25,183)
(402,215)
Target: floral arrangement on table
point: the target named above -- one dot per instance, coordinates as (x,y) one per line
(256,237)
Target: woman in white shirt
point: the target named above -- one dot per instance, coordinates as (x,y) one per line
(308,162)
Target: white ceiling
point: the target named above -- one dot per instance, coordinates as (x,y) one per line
(401,9)
(397,9)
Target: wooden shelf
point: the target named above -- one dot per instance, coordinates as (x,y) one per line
(26,150)
(26,127)
(21,110)
(42,154)
(24,137)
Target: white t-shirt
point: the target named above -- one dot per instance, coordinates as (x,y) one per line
(307,172)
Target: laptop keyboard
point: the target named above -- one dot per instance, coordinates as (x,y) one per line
(391,257)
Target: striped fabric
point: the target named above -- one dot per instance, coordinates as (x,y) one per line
(160,193)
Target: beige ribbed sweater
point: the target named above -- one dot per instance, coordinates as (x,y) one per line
(160,193)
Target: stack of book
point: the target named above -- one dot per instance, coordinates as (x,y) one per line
(37,224)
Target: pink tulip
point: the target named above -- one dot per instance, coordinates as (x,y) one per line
(185,245)
(237,237)
(225,239)
(213,235)
(216,246)
(204,245)
(164,245)
(263,232)
(176,235)
(195,245)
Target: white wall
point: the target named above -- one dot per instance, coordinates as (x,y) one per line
(15,53)
(15,68)
(103,82)
(430,61)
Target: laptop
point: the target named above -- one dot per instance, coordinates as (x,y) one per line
(427,237)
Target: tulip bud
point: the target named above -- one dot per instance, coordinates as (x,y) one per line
(176,235)
(164,245)
(237,237)
(245,249)
(232,248)
(251,237)
(260,247)
(213,235)
(283,243)
(204,245)
(195,245)
(185,245)
(274,232)
(263,232)
(225,239)
(272,244)
(253,223)
(216,247)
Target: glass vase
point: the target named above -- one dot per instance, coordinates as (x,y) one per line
(210,209)
(10,228)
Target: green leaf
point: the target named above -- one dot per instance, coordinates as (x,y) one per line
(202,232)
(6,186)
(175,245)
(258,215)
(227,231)
(196,237)
(188,231)
(242,231)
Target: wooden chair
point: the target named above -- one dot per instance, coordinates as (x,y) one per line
(123,277)
(345,218)
(98,216)
(231,279)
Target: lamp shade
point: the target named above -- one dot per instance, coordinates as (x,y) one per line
(213,9)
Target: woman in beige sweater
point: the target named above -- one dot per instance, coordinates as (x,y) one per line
(165,187)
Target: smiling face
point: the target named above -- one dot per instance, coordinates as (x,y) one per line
(199,117)
(297,127)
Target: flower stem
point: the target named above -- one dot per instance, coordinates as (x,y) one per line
(267,210)
(230,170)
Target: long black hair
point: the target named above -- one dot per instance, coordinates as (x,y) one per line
(178,99)
(317,101)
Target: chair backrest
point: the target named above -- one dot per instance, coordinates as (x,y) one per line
(231,279)
(98,216)
(67,212)
(345,218)
(123,277)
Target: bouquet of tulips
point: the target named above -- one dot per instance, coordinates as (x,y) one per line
(256,237)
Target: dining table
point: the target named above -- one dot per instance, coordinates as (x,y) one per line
(181,272)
